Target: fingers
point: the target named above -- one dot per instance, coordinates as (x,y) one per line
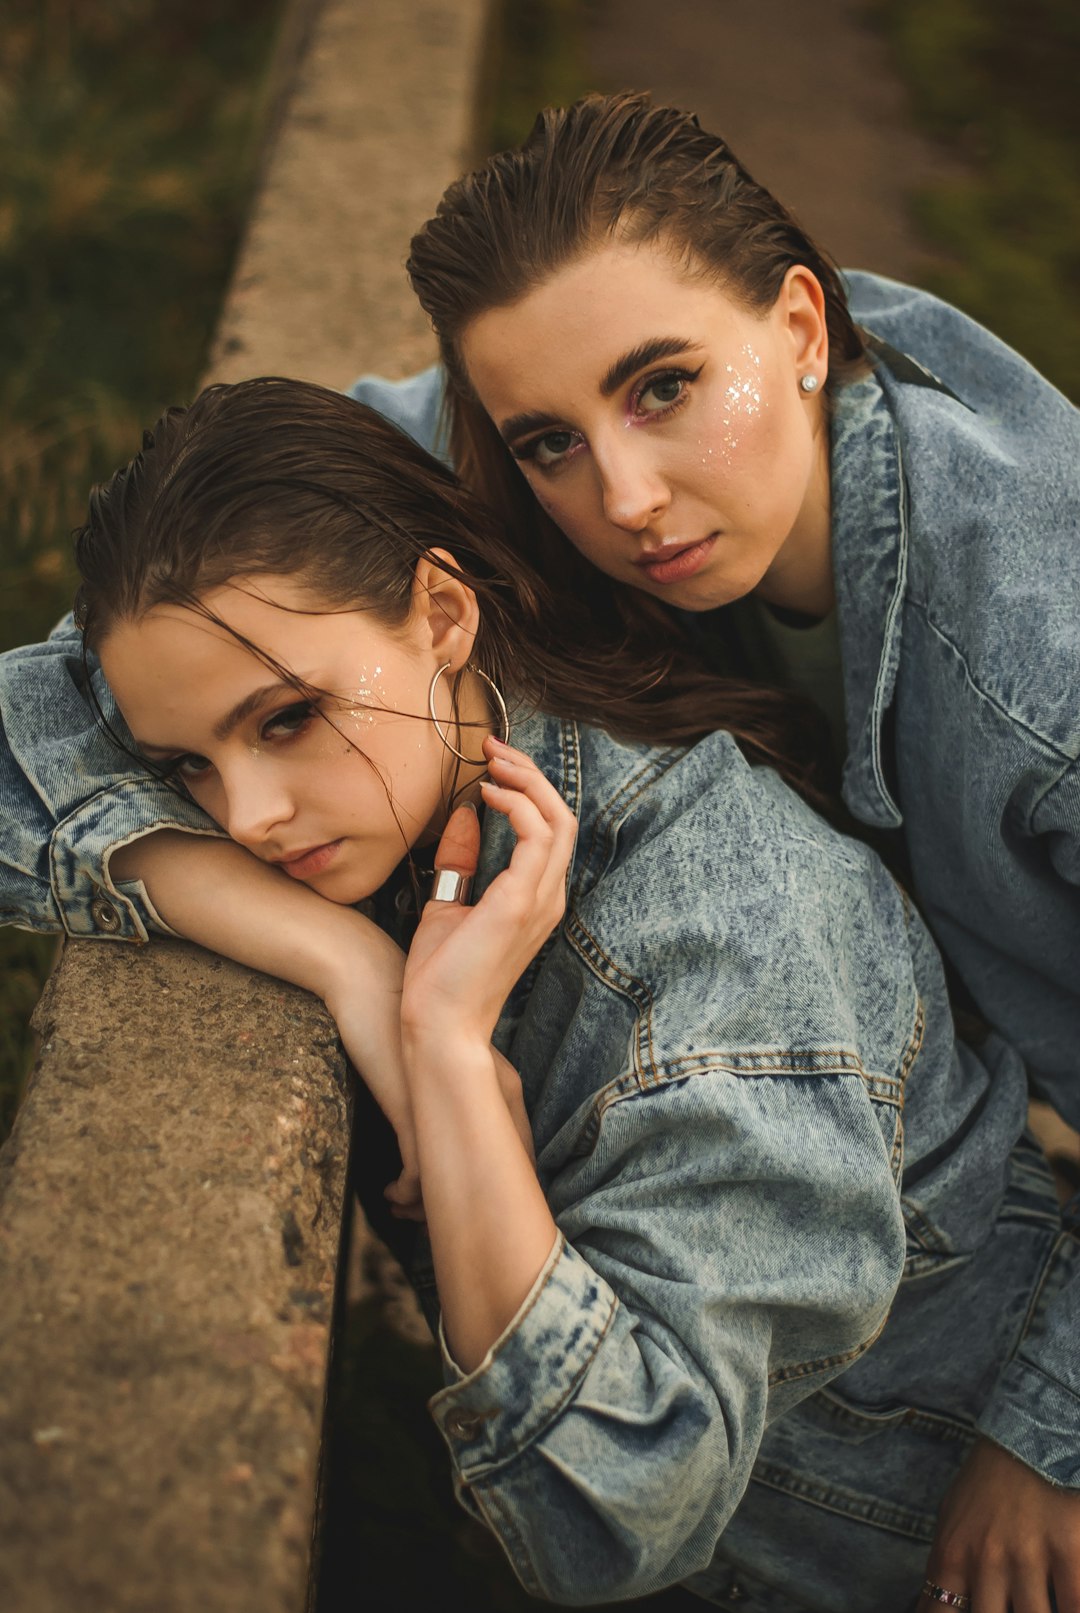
(459,847)
(543,823)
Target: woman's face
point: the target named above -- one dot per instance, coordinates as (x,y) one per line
(332,792)
(662,425)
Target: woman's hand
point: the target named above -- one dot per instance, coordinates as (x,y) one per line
(490,1227)
(464,961)
(1004,1537)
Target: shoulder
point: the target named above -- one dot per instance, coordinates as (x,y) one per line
(993,505)
(414,405)
(735,918)
(1006,397)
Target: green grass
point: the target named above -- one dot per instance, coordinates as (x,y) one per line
(996,83)
(534,57)
(129,135)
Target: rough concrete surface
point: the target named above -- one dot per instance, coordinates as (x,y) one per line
(379,121)
(170,1209)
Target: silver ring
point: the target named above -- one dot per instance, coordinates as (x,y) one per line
(938,1593)
(450,886)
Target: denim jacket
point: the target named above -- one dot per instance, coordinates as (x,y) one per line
(752,1122)
(769,1000)
(956,552)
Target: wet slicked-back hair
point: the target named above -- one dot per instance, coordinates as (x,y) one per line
(281,478)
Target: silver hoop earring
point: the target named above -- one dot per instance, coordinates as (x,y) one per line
(496,694)
(809,383)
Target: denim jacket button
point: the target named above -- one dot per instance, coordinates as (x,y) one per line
(104,915)
(463,1425)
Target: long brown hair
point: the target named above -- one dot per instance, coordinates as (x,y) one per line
(612,167)
(279,477)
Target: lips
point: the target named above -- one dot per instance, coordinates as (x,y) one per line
(674,562)
(306,863)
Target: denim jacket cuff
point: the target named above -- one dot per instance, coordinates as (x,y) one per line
(533,1369)
(1036,1418)
(89,901)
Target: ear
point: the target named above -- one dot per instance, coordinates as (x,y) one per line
(444,608)
(800,307)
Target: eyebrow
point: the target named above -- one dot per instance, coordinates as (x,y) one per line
(232,719)
(638,358)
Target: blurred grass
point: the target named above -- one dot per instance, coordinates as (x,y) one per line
(998,83)
(129,137)
(534,56)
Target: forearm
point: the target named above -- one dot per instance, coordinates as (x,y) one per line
(215,893)
(490,1227)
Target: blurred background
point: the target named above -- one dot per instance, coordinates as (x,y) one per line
(934,140)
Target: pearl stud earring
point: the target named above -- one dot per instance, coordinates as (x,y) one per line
(809,383)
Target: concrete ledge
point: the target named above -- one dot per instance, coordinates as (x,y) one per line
(171,1205)
(173,1197)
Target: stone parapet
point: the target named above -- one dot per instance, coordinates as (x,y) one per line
(174,1195)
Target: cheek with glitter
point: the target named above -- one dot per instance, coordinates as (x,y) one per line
(741,403)
(368,696)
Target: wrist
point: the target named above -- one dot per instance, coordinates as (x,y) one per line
(433,1056)
(347,956)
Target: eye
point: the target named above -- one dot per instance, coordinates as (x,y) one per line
(288,722)
(661,393)
(549,450)
(189,767)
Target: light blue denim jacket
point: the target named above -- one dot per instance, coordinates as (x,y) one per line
(956,552)
(767,1002)
(752,1123)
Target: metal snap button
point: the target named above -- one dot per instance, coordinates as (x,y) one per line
(104,915)
(463,1425)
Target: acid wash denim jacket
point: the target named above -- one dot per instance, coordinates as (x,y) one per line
(752,1122)
(1000,889)
(956,553)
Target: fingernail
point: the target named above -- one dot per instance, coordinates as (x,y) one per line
(470,806)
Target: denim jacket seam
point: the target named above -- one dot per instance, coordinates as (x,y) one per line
(806,1369)
(482,1471)
(1019,1360)
(489,1501)
(1036,1300)
(602,840)
(626,984)
(992,700)
(105,883)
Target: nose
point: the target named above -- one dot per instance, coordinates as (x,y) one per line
(634,492)
(257,806)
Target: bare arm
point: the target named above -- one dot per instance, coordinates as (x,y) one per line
(490,1227)
(215,893)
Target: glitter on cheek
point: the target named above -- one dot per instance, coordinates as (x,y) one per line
(368,693)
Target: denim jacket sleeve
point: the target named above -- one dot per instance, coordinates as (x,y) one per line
(728,1246)
(414,405)
(70,797)
(714,1053)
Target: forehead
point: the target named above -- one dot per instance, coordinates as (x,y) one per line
(566,332)
(176,669)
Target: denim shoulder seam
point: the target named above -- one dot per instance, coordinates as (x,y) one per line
(601,841)
(1050,745)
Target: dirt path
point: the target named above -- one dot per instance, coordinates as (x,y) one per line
(804,93)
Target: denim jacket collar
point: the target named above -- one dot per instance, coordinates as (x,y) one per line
(870,555)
